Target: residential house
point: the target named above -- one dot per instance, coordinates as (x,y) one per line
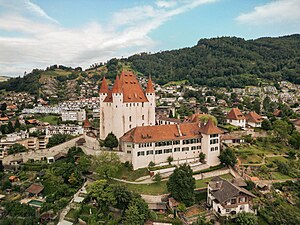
(253,119)
(236,118)
(227,198)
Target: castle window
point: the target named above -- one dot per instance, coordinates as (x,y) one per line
(185,149)
(176,149)
(142,104)
(143,117)
(150,152)
(129,118)
(130,126)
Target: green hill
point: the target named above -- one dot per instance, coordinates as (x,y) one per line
(225,61)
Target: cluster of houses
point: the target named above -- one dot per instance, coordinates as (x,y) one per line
(236,118)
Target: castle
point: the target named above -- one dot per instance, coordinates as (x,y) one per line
(126,105)
(129,112)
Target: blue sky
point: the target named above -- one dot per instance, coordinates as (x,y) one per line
(38,33)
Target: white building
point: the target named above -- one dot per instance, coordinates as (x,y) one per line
(126,105)
(64,129)
(236,118)
(182,142)
(228,198)
(73,115)
(253,119)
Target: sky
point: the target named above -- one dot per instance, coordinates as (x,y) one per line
(39,33)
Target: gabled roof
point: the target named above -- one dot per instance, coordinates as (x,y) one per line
(162,133)
(194,118)
(235,114)
(129,86)
(104,86)
(87,123)
(224,190)
(150,88)
(253,117)
(35,188)
(211,128)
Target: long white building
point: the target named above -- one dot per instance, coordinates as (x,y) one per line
(182,141)
(126,105)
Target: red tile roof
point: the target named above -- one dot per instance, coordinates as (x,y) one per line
(129,86)
(253,117)
(235,114)
(104,86)
(194,118)
(150,88)
(211,128)
(162,133)
(35,188)
(86,123)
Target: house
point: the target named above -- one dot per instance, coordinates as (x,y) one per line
(228,198)
(232,139)
(34,190)
(160,120)
(13,179)
(236,118)
(183,142)
(253,119)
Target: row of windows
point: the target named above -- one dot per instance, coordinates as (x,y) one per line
(134,104)
(177,142)
(143,145)
(165,151)
(130,118)
(213,135)
(214,141)
(191,141)
(214,149)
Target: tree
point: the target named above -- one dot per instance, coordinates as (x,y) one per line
(157,177)
(266,104)
(16,148)
(245,218)
(99,192)
(266,124)
(107,164)
(84,163)
(122,196)
(170,160)
(256,105)
(281,129)
(227,157)
(202,157)
(181,185)
(133,216)
(10,128)
(201,220)
(111,141)
(17,124)
(295,140)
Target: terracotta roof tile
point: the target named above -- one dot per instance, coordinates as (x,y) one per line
(104,86)
(129,86)
(235,114)
(150,88)
(162,133)
(87,123)
(253,117)
(211,128)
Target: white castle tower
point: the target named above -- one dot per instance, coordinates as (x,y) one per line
(125,106)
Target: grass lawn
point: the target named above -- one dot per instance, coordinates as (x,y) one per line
(131,175)
(250,159)
(279,176)
(161,187)
(48,119)
(273,159)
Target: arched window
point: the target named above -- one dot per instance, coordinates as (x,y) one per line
(129,118)
(143,117)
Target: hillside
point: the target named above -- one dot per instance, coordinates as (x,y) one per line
(218,62)
(225,61)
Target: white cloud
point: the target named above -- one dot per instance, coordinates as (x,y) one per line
(278,11)
(42,42)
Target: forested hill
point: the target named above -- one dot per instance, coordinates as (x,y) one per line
(225,61)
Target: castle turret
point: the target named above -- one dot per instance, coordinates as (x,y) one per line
(150,94)
(103,90)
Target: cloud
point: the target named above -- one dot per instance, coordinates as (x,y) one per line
(278,11)
(37,40)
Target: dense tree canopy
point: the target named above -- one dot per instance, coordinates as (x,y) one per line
(181,185)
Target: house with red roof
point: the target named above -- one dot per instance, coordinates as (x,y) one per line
(126,105)
(236,117)
(183,142)
(253,119)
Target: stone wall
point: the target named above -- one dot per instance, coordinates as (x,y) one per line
(41,154)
